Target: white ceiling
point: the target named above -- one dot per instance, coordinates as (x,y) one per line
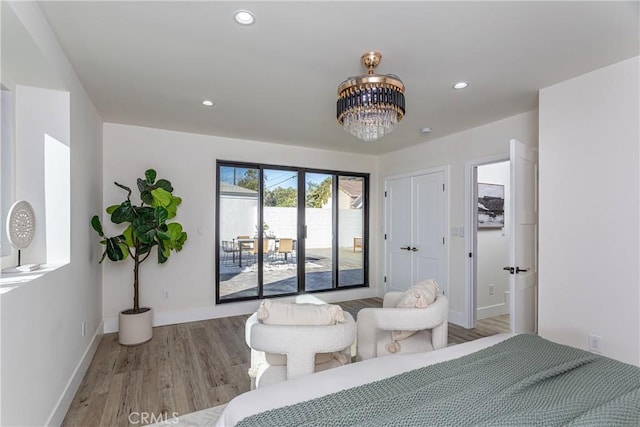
(152,63)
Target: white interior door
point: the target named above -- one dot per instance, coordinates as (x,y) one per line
(523,283)
(428,227)
(414,228)
(398,233)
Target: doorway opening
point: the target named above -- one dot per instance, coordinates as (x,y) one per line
(488,222)
(521,232)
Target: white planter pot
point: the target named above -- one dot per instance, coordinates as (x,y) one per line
(135,328)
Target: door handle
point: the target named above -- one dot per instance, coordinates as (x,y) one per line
(509,269)
(414,249)
(521,270)
(405,248)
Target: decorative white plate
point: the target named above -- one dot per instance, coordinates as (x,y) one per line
(21,224)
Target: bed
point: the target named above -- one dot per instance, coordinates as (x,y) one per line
(499,380)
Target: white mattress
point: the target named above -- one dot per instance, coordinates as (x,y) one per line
(344,377)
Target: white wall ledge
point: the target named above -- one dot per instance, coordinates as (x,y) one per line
(10,278)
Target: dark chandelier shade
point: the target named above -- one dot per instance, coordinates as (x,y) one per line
(370,106)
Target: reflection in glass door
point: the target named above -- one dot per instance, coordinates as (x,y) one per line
(238,204)
(351,248)
(280,232)
(318,262)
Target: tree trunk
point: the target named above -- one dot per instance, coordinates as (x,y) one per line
(136,266)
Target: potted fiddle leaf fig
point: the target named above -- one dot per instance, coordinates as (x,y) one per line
(147,231)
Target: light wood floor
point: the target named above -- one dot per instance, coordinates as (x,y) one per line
(186,368)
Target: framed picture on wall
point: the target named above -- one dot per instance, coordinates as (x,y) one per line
(490,205)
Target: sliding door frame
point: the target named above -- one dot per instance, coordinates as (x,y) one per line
(301,228)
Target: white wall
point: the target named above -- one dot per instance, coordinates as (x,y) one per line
(188,161)
(484,141)
(589,277)
(43,355)
(493,249)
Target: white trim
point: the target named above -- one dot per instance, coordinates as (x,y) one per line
(456,317)
(446,180)
(444,168)
(492,311)
(471,228)
(238,308)
(64,402)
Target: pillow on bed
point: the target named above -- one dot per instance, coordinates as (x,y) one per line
(419,295)
(288,313)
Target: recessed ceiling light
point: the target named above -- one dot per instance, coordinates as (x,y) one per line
(460,85)
(425,130)
(244,17)
(208,103)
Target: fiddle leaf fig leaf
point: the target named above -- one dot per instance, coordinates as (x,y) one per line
(124,249)
(111,209)
(146,197)
(124,213)
(150,175)
(144,248)
(161,197)
(174,230)
(95,223)
(114,250)
(128,236)
(162,256)
(165,185)
(172,207)
(160,215)
(148,236)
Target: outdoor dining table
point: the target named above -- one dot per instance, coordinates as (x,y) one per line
(252,241)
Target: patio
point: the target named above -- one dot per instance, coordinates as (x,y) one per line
(281,277)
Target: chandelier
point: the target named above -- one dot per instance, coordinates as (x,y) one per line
(371,105)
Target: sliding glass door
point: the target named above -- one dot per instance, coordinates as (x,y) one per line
(318,215)
(284,230)
(280,232)
(351,229)
(237,219)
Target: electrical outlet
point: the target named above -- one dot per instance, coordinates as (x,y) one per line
(166,294)
(491,288)
(595,343)
(83,328)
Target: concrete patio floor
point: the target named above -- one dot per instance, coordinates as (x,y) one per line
(280,276)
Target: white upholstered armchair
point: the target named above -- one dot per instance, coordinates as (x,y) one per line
(376,324)
(283,352)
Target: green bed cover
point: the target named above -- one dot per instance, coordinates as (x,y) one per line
(522,381)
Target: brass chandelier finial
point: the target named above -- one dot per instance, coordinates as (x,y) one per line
(371,60)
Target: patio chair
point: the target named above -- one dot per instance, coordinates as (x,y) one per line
(284,251)
(229,250)
(266,250)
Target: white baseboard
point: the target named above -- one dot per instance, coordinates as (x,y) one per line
(162,318)
(492,311)
(63,404)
